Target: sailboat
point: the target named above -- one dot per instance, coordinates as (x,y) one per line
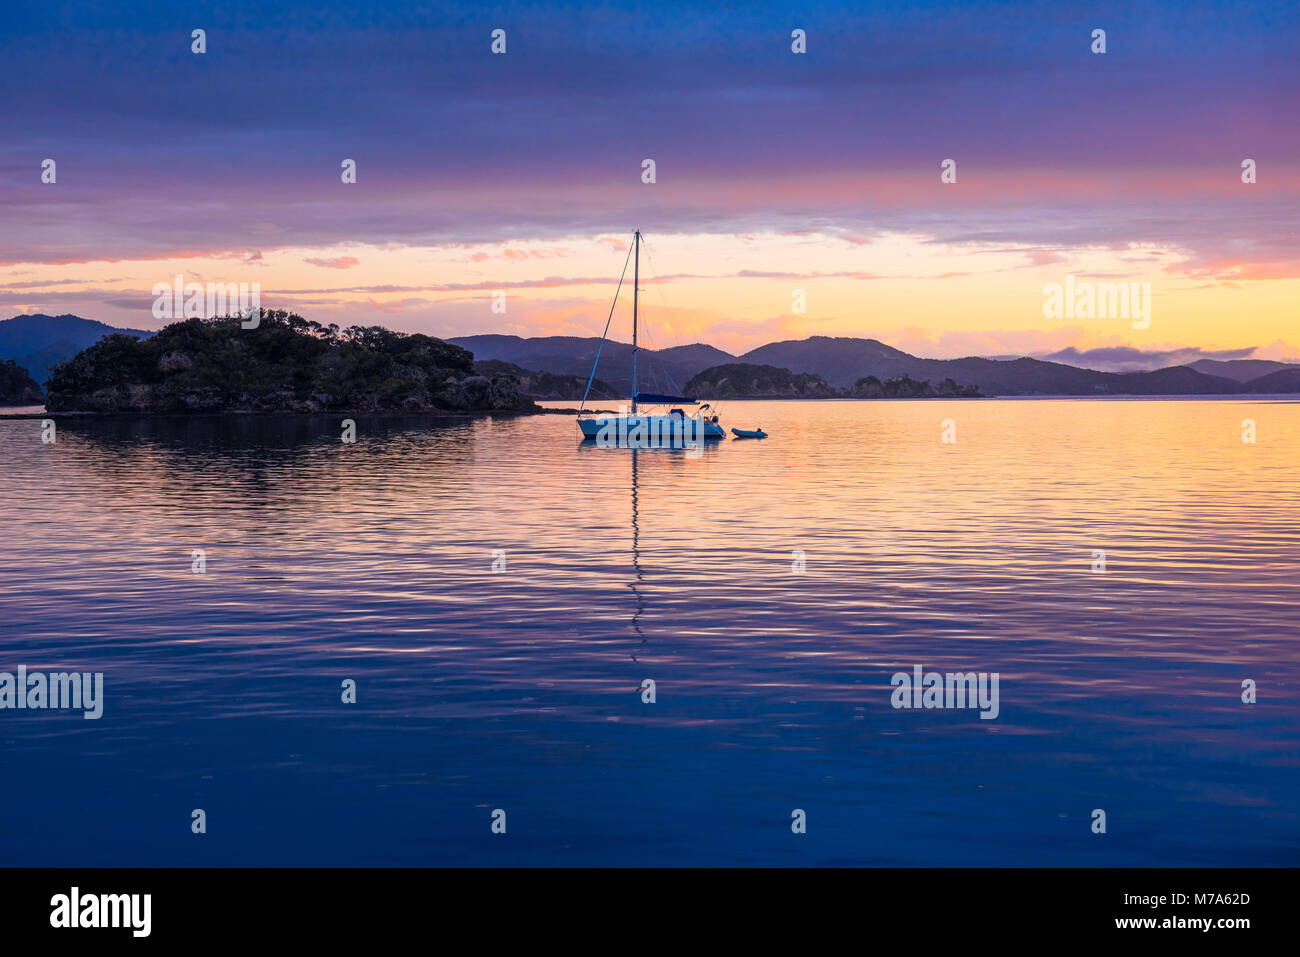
(672,428)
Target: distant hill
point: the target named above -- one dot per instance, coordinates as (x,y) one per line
(842,361)
(696,354)
(38,342)
(1283,380)
(662,370)
(741,380)
(1242,370)
(1176,380)
(546,385)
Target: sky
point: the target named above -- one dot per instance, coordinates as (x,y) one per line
(778,176)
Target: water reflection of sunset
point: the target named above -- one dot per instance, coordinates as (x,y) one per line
(374,561)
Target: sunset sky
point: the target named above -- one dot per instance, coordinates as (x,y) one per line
(775,171)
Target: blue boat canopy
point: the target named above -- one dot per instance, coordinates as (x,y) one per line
(652,399)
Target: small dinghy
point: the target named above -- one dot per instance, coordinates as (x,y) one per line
(749,433)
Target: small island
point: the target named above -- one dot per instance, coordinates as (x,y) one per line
(17,387)
(905,387)
(741,380)
(284,364)
(546,385)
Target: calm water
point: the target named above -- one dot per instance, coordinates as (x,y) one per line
(520,690)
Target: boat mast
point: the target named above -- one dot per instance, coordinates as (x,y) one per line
(636,282)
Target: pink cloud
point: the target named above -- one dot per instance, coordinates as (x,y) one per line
(519,255)
(1279,351)
(338,262)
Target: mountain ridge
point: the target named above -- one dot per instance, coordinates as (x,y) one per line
(843,360)
(37,342)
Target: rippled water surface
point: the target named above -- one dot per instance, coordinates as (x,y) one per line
(520,690)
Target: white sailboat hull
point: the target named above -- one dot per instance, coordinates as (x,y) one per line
(649,431)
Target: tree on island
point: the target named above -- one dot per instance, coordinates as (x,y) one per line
(905,387)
